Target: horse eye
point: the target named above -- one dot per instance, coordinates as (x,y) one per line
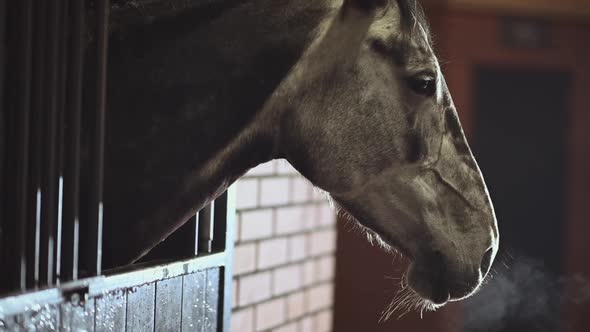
(425,86)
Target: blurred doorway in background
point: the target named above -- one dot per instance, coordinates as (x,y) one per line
(520,121)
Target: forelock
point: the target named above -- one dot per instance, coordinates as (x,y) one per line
(413,19)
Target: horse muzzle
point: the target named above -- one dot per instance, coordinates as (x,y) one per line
(437,279)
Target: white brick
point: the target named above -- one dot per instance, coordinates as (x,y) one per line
(323,242)
(297,248)
(255,224)
(284,167)
(268,168)
(247,193)
(301,190)
(307,325)
(290,220)
(234,289)
(272,253)
(323,321)
(319,297)
(318,195)
(286,279)
(270,314)
(242,320)
(237,229)
(308,273)
(244,258)
(274,191)
(310,222)
(254,288)
(324,268)
(287,328)
(295,305)
(326,215)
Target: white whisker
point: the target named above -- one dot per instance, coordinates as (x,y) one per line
(405,301)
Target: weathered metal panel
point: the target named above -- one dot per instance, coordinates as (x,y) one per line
(10,324)
(40,318)
(77,316)
(140,308)
(189,302)
(169,304)
(212,294)
(111,310)
(192,300)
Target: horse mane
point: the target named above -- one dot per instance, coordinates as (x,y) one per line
(411,12)
(412,16)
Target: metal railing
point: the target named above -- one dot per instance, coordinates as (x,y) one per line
(43,63)
(50,219)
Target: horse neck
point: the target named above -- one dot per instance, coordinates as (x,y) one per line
(184,104)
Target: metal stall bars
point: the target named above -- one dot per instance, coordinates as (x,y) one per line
(2,127)
(46,241)
(37,52)
(70,240)
(15,125)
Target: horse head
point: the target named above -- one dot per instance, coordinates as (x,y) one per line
(351,94)
(366,115)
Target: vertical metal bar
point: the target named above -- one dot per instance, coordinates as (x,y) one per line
(96,207)
(23,91)
(2,59)
(36,161)
(71,224)
(223,226)
(224,241)
(61,126)
(2,48)
(206,216)
(196,235)
(2,132)
(50,177)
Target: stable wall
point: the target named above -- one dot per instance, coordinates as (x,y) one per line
(284,253)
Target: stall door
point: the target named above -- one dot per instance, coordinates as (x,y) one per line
(520,144)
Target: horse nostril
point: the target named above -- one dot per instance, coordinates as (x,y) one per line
(486,261)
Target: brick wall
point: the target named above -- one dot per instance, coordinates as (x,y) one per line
(284,253)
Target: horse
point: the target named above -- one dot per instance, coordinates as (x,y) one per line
(350,92)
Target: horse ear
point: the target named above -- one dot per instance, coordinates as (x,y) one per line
(364,5)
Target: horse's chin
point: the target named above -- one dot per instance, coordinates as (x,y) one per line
(422,291)
(418,293)
(426,287)
(408,299)
(436,281)
(428,305)
(428,295)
